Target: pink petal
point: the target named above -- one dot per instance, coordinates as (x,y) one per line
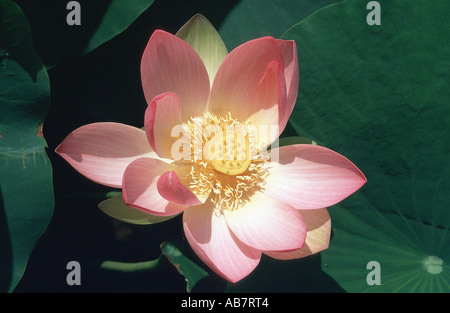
(102,151)
(291,74)
(170,65)
(239,75)
(140,187)
(170,188)
(161,117)
(317,239)
(210,238)
(267,103)
(312,177)
(265,223)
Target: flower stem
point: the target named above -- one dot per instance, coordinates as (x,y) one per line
(132,267)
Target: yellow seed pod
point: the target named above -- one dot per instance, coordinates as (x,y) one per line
(228,152)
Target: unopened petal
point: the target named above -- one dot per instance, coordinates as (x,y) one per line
(203,37)
(102,151)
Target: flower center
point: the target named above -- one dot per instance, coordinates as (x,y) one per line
(229,152)
(226,162)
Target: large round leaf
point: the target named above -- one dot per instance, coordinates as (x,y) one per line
(26,190)
(379,95)
(251,19)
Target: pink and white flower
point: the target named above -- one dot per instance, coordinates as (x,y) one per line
(210,118)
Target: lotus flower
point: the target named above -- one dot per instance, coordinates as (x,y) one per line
(210,119)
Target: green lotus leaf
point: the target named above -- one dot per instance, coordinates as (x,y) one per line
(378,94)
(26,188)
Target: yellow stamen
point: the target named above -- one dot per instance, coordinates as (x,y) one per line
(229,153)
(225,161)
